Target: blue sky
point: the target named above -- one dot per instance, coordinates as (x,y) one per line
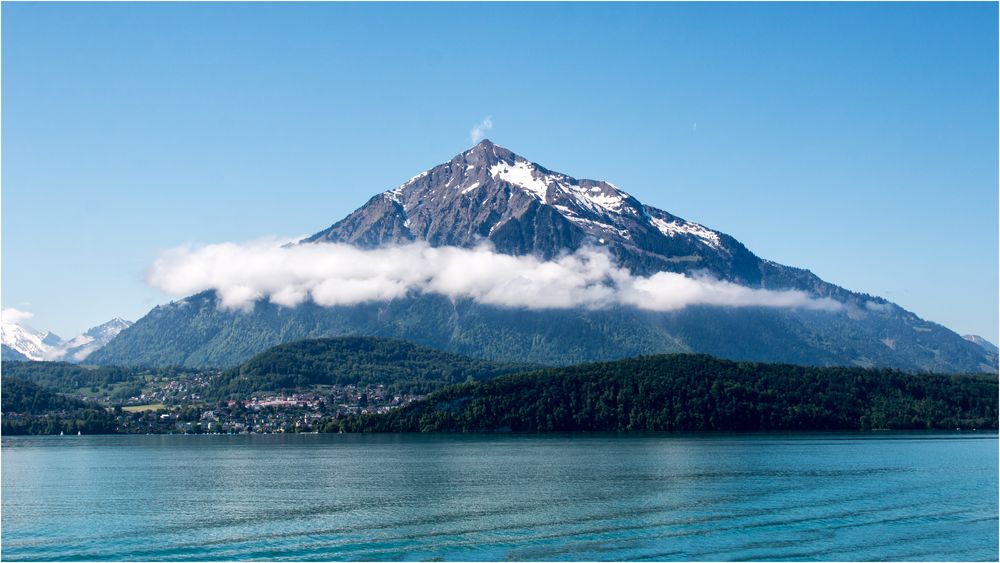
(856,140)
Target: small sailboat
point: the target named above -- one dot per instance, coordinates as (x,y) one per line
(60,432)
(78,433)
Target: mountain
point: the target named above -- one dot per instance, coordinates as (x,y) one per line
(21,342)
(9,354)
(489,194)
(982,342)
(401,366)
(696,393)
(51,339)
(77,349)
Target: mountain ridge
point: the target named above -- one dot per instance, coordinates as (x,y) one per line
(982,342)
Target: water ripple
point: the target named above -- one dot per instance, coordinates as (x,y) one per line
(911,497)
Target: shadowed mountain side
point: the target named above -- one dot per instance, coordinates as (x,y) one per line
(194,332)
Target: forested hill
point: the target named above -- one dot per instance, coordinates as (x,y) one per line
(66,377)
(697,392)
(400,366)
(32,409)
(63,377)
(24,397)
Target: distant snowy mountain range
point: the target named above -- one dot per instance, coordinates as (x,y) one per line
(22,342)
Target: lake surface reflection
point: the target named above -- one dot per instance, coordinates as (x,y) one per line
(498,497)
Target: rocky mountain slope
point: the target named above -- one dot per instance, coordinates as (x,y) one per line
(982,342)
(488,193)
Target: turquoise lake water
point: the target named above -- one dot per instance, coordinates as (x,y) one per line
(883,496)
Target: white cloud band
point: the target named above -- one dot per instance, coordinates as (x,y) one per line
(14,316)
(340,274)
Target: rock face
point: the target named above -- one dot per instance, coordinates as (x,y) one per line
(489,194)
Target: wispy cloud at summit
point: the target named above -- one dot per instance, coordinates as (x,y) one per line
(478,132)
(339,274)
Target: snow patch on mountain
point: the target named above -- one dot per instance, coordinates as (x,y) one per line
(395,193)
(611,202)
(599,225)
(676,228)
(522,174)
(596,198)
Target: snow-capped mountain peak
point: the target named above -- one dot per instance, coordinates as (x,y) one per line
(490,193)
(24,340)
(36,345)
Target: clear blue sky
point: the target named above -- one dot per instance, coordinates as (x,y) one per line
(856,140)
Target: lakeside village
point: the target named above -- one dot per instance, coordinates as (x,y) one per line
(177,407)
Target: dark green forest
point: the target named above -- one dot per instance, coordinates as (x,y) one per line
(66,377)
(401,366)
(698,393)
(27,398)
(31,409)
